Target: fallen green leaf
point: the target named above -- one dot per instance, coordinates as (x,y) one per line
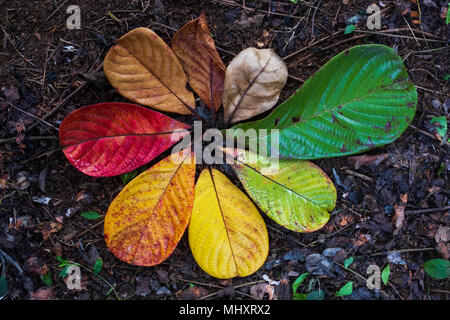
(349,29)
(127,177)
(348,262)
(447,18)
(299,296)
(441,169)
(315,295)
(98,266)
(385,274)
(299,281)
(346,290)
(3,287)
(441,126)
(359,100)
(437,268)
(91,215)
(47,278)
(63,272)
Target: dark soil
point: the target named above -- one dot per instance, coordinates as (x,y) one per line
(43,64)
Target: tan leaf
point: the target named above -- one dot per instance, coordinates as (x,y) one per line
(143,68)
(399,217)
(253,82)
(197,52)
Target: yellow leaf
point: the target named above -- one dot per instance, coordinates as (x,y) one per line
(147,219)
(227,235)
(143,68)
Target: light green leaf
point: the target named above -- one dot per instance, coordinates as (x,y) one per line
(91,215)
(296,194)
(440,125)
(349,29)
(447,18)
(346,290)
(359,100)
(437,268)
(63,262)
(98,266)
(385,274)
(298,282)
(348,262)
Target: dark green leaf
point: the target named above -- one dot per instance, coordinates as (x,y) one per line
(361,99)
(440,124)
(315,295)
(299,296)
(98,266)
(346,290)
(437,268)
(91,215)
(47,278)
(385,274)
(3,287)
(299,281)
(441,169)
(63,272)
(127,177)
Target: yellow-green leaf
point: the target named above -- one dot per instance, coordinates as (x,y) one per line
(227,235)
(295,193)
(146,220)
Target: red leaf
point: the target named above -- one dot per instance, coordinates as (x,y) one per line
(109,139)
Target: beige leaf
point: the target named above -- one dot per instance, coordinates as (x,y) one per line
(253,82)
(143,68)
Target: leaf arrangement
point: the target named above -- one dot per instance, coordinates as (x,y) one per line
(359,100)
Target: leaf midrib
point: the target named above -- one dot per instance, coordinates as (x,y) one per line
(343,105)
(283,186)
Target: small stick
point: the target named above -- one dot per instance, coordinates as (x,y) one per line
(359,175)
(427,210)
(59,105)
(31,115)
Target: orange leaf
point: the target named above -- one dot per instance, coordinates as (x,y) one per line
(143,68)
(195,48)
(147,219)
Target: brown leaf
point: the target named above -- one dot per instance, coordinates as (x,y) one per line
(45,293)
(193,293)
(253,82)
(258,291)
(143,68)
(34,264)
(443,234)
(48,228)
(197,52)
(399,217)
(359,161)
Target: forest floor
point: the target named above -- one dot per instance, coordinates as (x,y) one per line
(47,71)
